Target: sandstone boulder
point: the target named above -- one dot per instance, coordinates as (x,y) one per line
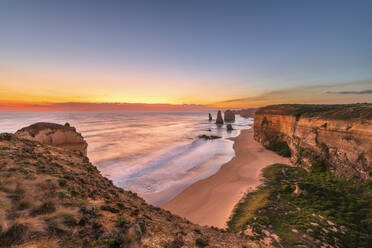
(229,116)
(219,119)
(63,136)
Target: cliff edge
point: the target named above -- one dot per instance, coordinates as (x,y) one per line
(336,136)
(63,136)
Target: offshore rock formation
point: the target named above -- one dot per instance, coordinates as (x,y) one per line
(229,116)
(210,117)
(337,136)
(229,127)
(52,197)
(53,134)
(219,119)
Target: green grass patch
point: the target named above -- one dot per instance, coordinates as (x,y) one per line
(327,209)
(246,208)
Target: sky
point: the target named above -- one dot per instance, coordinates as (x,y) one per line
(195,53)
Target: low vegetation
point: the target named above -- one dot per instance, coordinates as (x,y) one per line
(361,111)
(280,148)
(51,197)
(295,207)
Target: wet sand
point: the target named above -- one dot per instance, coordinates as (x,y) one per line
(211,200)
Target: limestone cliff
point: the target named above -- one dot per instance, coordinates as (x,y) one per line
(55,135)
(338,136)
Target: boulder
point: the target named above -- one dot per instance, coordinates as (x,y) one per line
(229,116)
(229,127)
(52,134)
(219,119)
(210,117)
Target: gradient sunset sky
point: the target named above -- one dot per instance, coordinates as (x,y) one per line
(215,53)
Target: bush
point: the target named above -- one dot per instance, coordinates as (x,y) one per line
(45,208)
(201,242)
(14,235)
(23,205)
(122,221)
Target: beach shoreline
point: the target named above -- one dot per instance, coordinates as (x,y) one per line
(211,201)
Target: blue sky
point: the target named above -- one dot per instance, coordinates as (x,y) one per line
(178,48)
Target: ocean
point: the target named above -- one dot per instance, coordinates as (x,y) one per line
(156,155)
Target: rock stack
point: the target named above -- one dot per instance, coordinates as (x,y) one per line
(229,116)
(210,117)
(229,127)
(219,119)
(53,134)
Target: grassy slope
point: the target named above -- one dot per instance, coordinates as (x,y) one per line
(51,197)
(328,210)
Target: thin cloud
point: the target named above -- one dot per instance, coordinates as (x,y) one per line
(348,92)
(362,92)
(108,107)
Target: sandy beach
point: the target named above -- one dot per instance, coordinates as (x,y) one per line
(211,200)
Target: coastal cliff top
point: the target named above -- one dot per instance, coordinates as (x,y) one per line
(331,112)
(53,197)
(34,129)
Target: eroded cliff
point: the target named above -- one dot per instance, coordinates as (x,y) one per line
(63,136)
(336,136)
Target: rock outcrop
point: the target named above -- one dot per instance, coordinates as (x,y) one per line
(229,116)
(52,197)
(219,119)
(229,127)
(334,136)
(63,136)
(210,117)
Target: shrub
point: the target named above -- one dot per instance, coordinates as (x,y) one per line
(122,221)
(23,205)
(14,235)
(201,242)
(45,208)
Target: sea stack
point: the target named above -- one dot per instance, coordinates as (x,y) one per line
(229,116)
(229,127)
(219,119)
(52,134)
(210,117)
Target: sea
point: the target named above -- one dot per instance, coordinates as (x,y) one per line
(156,155)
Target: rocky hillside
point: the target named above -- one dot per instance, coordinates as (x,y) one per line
(335,136)
(51,196)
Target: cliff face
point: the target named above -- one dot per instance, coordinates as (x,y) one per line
(339,136)
(52,197)
(55,135)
